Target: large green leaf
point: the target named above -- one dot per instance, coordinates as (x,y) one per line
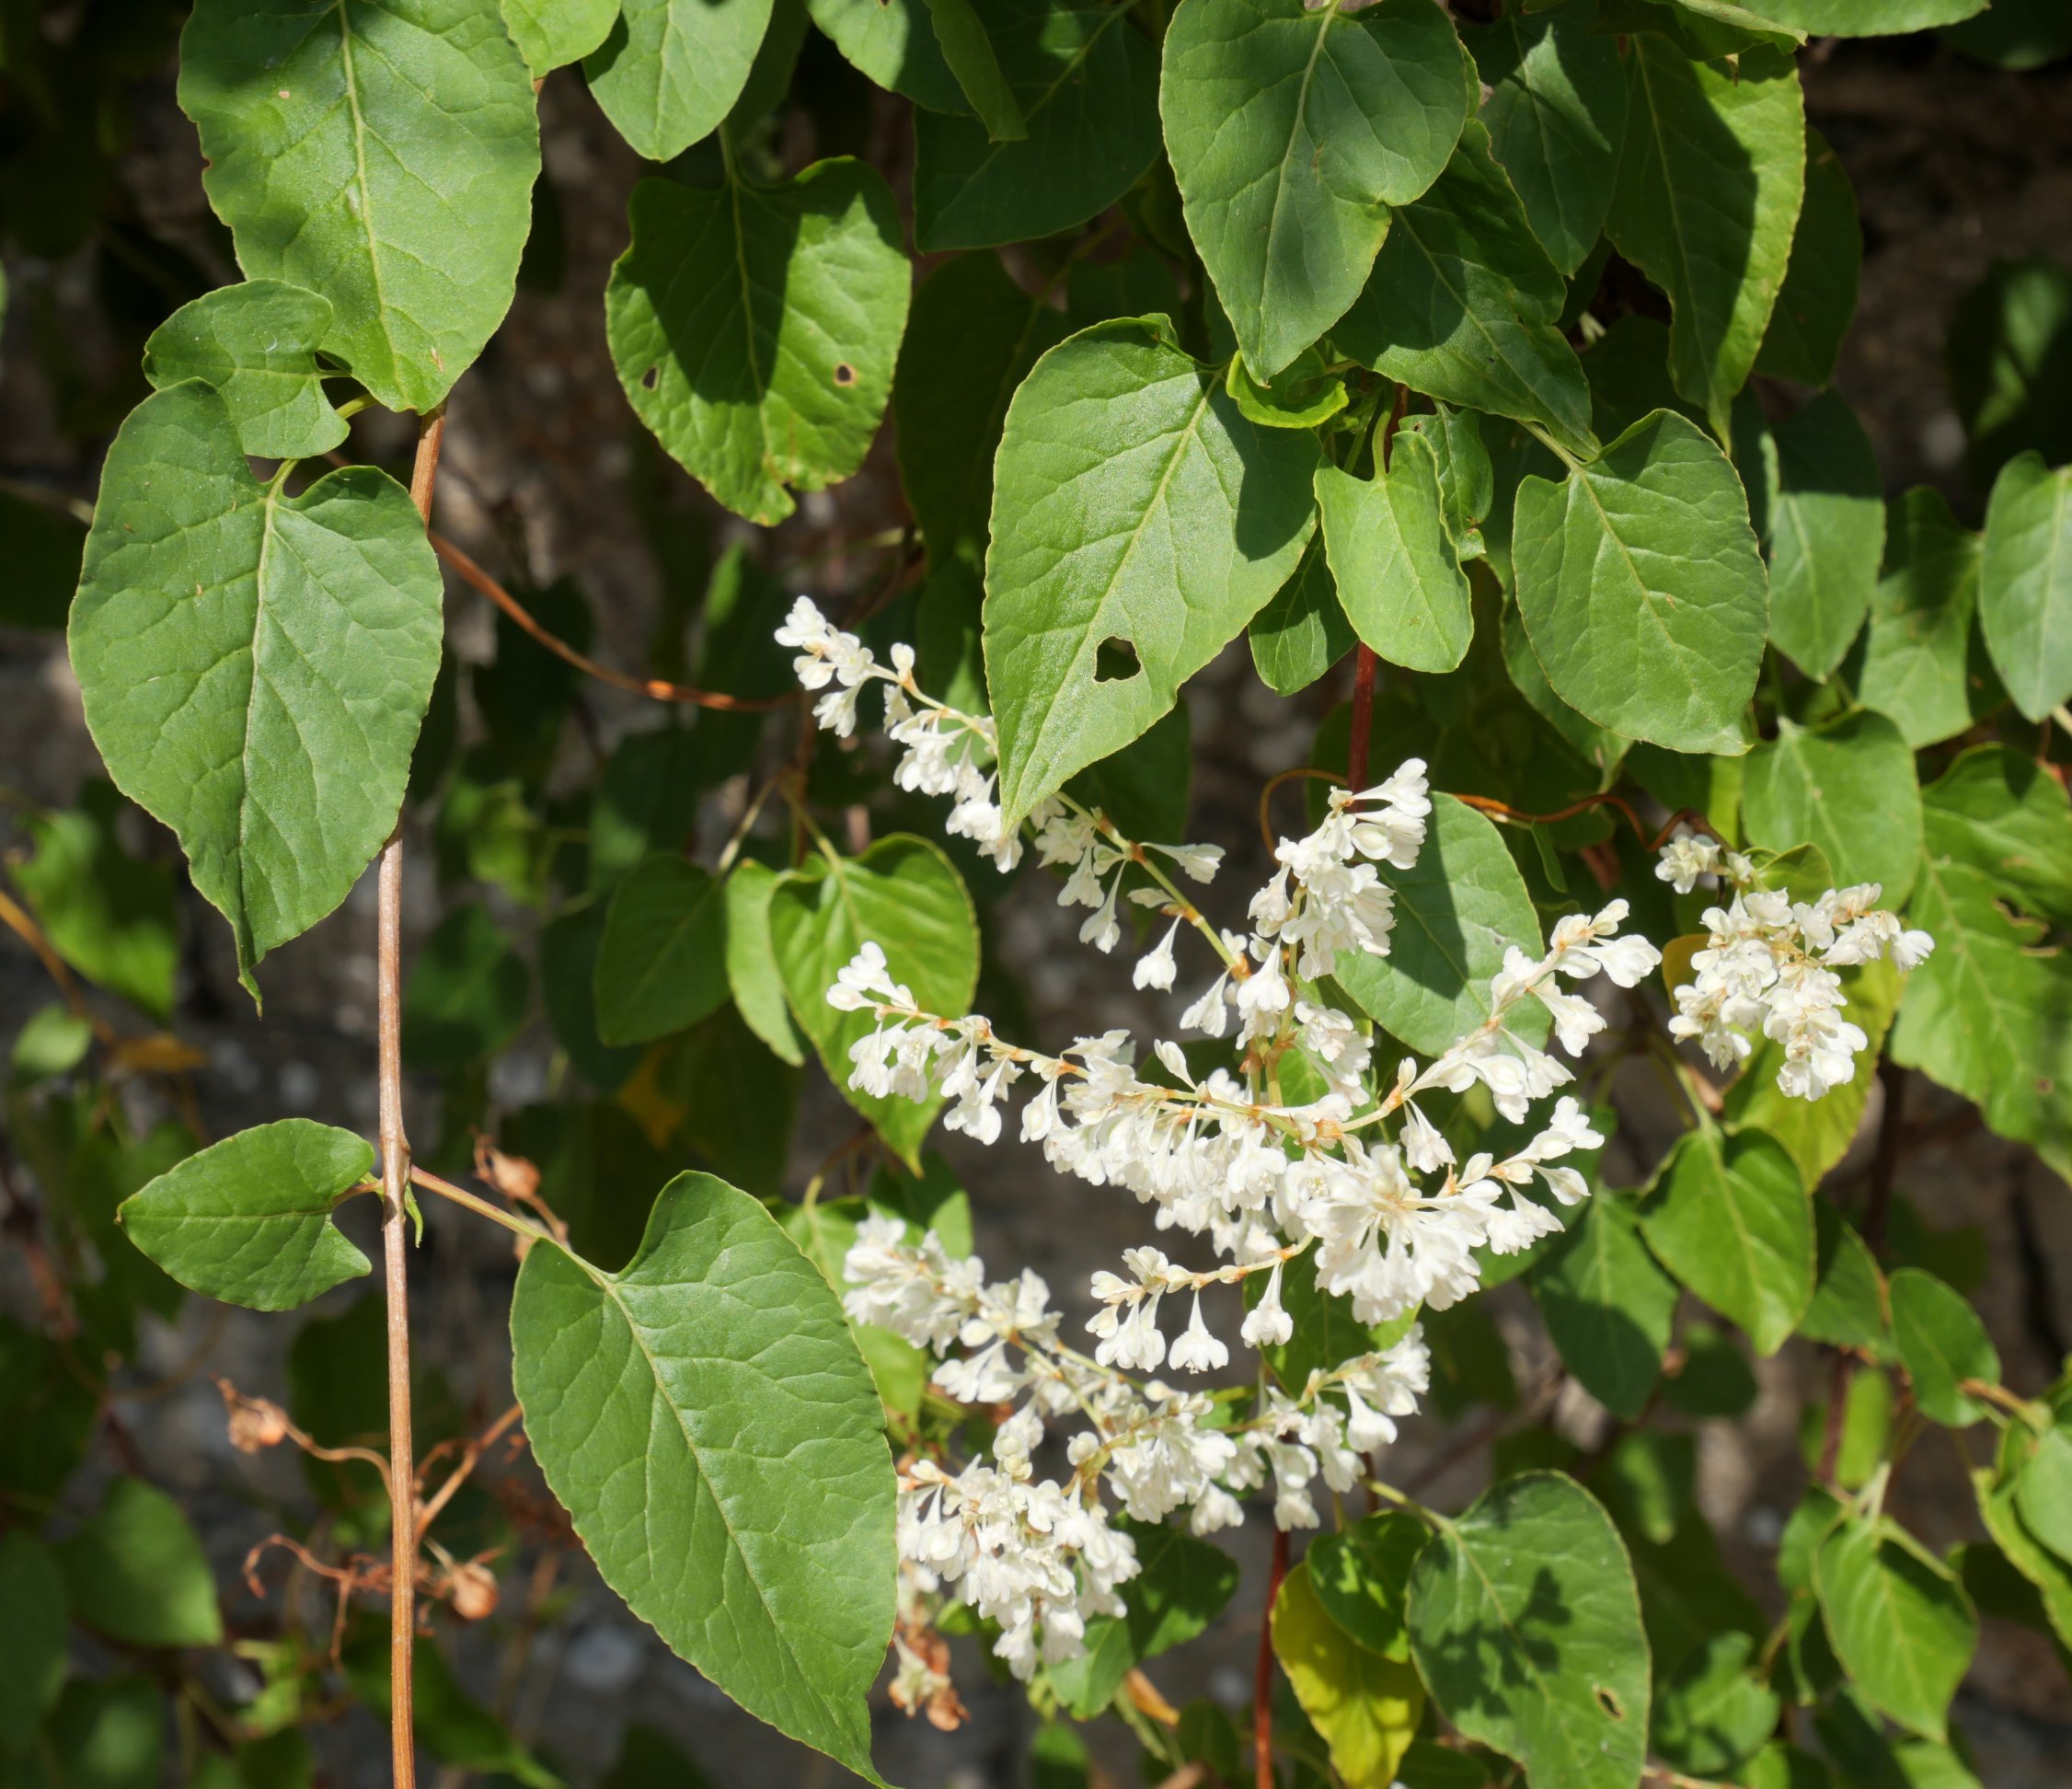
(1292,131)
(1303,631)
(2025,582)
(1366,1706)
(1899,1622)
(1714,1713)
(1608,1307)
(1919,661)
(2043,1488)
(1847,1308)
(661,965)
(893,42)
(670,70)
(256,344)
(1846,786)
(1996,810)
(113,917)
(1641,589)
(1132,502)
(1361,1575)
(1458,908)
(1866,17)
(1556,114)
(107,1733)
(1086,84)
(905,896)
(1463,303)
(1392,561)
(250,1219)
(137,1574)
(254,666)
(1525,1625)
(1817,301)
(1731,1220)
(706,1419)
(1824,523)
(974,336)
(756,328)
(381,153)
(568,967)
(552,33)
(33,1640)
(1941,1344)
(1709,191)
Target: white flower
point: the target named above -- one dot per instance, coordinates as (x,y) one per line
(1266,1323)
(1156,968)
(1685,858)
(1197,1351)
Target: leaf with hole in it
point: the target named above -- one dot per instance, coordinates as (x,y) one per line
(706,1421)
(1941,1344)
(1292,130)
(754,328)
(1825,527)
(254,666)
(1608,1307)
(551,34)
(1922,659)
(668,71)
(1641,589)
(250,1219)
(381,153)
(136,1572)
(905,896)
(1817,301)
(1132,502)
(1392,560)
(255,343)
(661,965)
(1463,303)
(1086,84)
(1710,186)
(1556,114)
(1900,1623)
(1366,1706)
(2025,582)
(1526,1625)
(1458,908)
(1731,1220)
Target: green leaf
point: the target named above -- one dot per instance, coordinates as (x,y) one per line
(1556,114)
(1628,372)
(1649,547)
(1609,1308)
(34,1639)
(1998,1492)
(1713,1715)
(893,42)
(112,917)
(1292,132)
(2025,582)
(1817,300)
(1392,561)
(706,1419)
(904,895)
(1848,1302)
(1303,631)
(1525,1625)
(256,344)
(670,70)
(965,46)
(254,666)
(1458,908)
(748,1137)
(108,1734)
(1847,788)
(2043,1490)
(382,153)
(1899,1622)
(751,959)
(1360,1576)
(1989,1014)
(1181,1585)
(1306,397)
(54,1040)
(1996,810)
(568,967)
(1709,187)
(754,328)
(551,34)
(1463,303)
(1086,83)
(1941,1345)
(250,1219)
(1921,658)
(647,798)
(1867,17)
(663,964)
(469,993)
(1731,1220)
(1467,478)
(1132,502)
(47,1417)
(136,1572)
(2017,35)
(1824,525)
(2008,347)
(1595,745)
(1816,1134)
(1365,1707)
(974,336)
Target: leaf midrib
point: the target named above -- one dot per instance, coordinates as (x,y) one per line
(360,175)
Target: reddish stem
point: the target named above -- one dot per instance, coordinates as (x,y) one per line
(1263,1681)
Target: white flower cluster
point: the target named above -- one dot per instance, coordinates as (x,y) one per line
(1768,966)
